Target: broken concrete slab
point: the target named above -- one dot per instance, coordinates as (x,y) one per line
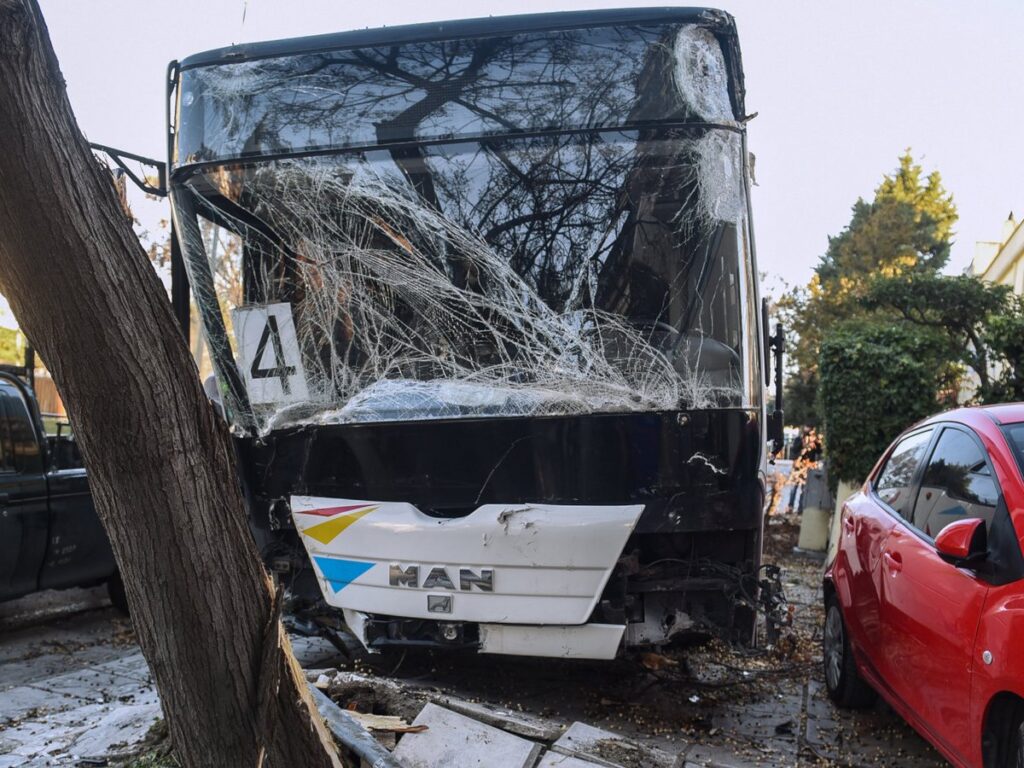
(520,723)
(605,748)
(610,749)
(454,739)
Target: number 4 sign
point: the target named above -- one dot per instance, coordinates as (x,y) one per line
(269,354)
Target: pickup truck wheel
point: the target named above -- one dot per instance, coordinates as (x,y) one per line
(115,589)
(843,682)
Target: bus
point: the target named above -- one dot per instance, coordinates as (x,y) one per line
(481,303)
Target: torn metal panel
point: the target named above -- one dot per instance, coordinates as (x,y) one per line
(522,564)
(584,641)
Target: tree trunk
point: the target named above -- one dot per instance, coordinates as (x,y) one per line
(160,463)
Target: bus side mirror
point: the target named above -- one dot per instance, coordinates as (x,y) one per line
(776,346)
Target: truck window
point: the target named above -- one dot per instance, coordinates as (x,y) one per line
(6,459)
(24,443)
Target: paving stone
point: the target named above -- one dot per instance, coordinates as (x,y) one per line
(710,756)
(83,730)
(452,739)
(27,700)
(865,738)
(556,760)
(315,651)
(92,684)
(132,666)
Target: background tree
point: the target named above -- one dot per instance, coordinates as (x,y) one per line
(1003,334)
(9,350)
(957,307)
(160,463)
(981,323)
(906,229)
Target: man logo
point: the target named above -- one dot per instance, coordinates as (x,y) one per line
(439,603)
(437,578)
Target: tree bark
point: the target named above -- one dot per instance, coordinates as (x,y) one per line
(160,462)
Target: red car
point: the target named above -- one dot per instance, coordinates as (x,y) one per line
(924,598)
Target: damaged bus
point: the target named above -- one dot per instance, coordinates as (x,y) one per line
(484,319)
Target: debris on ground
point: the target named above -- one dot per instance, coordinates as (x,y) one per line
(351,734)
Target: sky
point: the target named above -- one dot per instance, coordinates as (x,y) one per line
(840,88)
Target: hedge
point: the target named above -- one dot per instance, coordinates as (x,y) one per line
(876,380)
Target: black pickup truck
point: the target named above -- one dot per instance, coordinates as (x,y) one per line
(50,536)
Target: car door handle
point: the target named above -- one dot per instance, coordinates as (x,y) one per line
(893,561)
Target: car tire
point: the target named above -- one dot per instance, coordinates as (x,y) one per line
(115,589)
(843,682)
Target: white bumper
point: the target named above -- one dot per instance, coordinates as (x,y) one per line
(503,564)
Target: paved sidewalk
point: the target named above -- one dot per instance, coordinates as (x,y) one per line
(73,687)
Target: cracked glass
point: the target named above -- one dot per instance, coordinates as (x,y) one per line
(531,225)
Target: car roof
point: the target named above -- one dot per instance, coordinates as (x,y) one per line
(1002,414)
(1005,413)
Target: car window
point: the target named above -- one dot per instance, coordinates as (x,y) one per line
(1015,437)
(894,484)
(24,444)
(957,484)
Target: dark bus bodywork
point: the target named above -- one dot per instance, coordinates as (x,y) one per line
(494,279)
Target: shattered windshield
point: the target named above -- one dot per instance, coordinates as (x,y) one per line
(454,254)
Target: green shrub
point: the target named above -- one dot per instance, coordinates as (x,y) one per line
(876,380)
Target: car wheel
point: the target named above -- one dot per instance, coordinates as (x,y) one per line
(115,589)
(843,682)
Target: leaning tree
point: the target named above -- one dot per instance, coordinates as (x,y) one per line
(160,462)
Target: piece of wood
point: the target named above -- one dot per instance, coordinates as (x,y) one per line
(161,467)
(387,723)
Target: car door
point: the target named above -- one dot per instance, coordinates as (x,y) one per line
(930,608)
(24,514)
(868,520)
(78,551)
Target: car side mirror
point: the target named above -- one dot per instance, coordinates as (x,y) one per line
(964,542)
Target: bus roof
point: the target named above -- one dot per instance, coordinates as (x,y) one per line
(719,22)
